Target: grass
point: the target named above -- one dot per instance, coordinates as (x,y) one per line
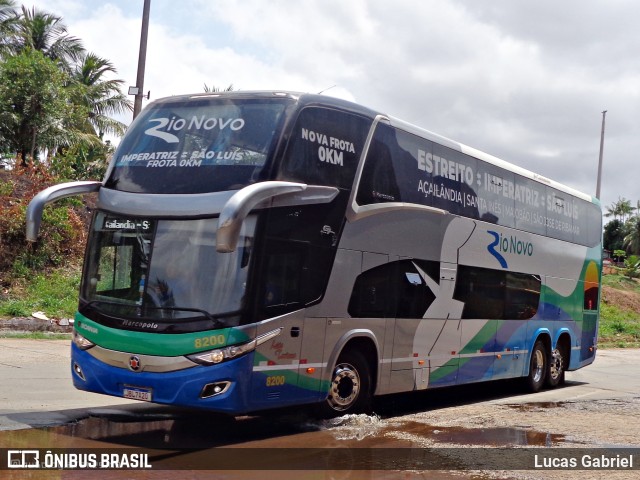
(621,282)
(36,335)
(54,293)
(619,328)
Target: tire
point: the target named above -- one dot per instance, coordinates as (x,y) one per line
(350,388)
(538,367)
(557,367)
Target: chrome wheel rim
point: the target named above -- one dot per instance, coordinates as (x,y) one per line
(538,365)
(345,387)
(556,367)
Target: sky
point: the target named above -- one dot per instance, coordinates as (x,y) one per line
(526,81)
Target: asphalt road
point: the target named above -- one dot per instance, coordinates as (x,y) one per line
(598,408)
(36,388)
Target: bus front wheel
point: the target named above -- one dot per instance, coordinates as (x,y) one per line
(537,367)
(350,388)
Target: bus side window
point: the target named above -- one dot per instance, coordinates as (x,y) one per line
(372,295)
(496,294)
(378,183)
(283,279)
(395,289)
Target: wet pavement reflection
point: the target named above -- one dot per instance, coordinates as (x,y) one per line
(196,437)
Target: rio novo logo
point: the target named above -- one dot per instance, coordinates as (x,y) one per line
(508,244)
(174,124)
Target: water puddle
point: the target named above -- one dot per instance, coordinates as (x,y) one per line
(535,406)
(349,446)
(353,427)
(491,437)
(189,430)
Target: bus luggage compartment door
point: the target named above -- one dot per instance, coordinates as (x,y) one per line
(274,380)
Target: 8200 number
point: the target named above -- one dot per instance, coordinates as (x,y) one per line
(275,381)
(210,341)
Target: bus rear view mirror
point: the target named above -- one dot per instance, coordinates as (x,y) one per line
(243,201)
(51,194)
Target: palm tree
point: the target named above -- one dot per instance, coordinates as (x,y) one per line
(7,9)
(632,239)
(101,97)
(8,16)
(39,30)
(622,208)
(214,89)
(625,209)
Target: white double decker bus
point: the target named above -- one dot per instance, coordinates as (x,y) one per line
(253,250)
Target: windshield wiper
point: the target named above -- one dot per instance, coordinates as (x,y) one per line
(139,310)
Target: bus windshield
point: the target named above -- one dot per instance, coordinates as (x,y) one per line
(165,270)
(203,145)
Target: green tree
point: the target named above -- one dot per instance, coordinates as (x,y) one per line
(7,9)
(82,161)
(613,236)
(632,266)
(621,209)
(632,239)
(38,30)
(32,111)
(73,107)
(102,97)
(8,17)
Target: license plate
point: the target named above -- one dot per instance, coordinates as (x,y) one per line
(137,393)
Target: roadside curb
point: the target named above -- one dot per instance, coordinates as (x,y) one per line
(32,324)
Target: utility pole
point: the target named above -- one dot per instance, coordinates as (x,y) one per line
(142,57)
(600,160)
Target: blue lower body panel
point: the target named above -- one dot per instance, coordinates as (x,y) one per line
(182,387)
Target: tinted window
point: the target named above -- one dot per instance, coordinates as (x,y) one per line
(394,290)
(402,167)
(530,205)
(300,244)
(385,169)
(197,145)
(497,294)
(325,147)
(560,213)
(164,270)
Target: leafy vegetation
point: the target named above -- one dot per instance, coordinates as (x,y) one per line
(56,103)
(55,293)
(620,312)
(622,234)
(55,98)
(618,327)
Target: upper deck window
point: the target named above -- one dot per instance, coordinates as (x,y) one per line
(325,147)
(197,145)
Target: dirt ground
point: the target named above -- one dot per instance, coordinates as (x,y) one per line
(624,299)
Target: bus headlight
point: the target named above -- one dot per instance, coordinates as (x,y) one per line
(81,342)
(219,355)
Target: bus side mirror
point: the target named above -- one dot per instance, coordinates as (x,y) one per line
(51,194)
(281,194)
(241,203)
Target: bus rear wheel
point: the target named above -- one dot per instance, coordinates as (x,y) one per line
(557,367)
(537,367)
(350,388)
